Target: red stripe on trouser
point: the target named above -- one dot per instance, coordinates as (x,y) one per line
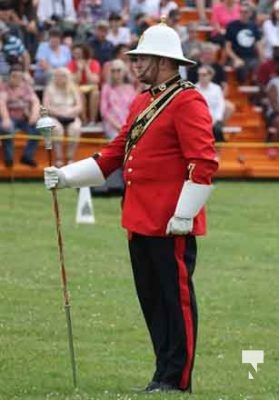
(185,300)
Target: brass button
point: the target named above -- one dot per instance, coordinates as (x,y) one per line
(129,183)
(130,169)
(134,145)
(130,158)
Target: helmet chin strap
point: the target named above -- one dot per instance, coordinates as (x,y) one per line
(155,62)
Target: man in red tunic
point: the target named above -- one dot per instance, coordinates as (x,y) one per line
(167,152)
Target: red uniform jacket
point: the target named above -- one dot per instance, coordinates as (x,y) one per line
(177,143)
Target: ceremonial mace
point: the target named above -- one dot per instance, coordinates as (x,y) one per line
(45,125)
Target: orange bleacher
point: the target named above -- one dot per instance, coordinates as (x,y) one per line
(244,155)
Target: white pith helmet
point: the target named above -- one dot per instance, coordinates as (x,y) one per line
(163,41)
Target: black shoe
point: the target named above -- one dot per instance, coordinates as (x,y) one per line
(9,163)
(167,387)
(28,161)
(153,386)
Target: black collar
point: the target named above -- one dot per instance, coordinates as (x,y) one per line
(164,85)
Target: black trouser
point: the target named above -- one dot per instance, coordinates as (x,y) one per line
(163,269)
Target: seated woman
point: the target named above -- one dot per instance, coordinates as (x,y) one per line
(62,99)
(214,97)
(86,71)
(116,98)
(120,52)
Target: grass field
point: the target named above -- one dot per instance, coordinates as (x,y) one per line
(236,280)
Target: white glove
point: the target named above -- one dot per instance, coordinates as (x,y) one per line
(192,198)
(82,173)
(54,178)
(179,226)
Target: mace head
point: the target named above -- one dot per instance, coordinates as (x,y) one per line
(44,125)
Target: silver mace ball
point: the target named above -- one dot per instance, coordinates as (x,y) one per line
(45,125)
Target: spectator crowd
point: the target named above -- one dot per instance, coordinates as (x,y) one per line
(71,56)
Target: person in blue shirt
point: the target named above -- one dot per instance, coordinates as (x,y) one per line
(102,48)
(50,55)
(12,51)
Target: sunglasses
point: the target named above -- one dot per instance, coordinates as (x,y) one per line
(116,70)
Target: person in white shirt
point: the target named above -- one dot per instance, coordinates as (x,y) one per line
(166,6)
(50,12)
(214,96)
(270,30)
(117,33)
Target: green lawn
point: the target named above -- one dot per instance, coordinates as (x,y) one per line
(236,280)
